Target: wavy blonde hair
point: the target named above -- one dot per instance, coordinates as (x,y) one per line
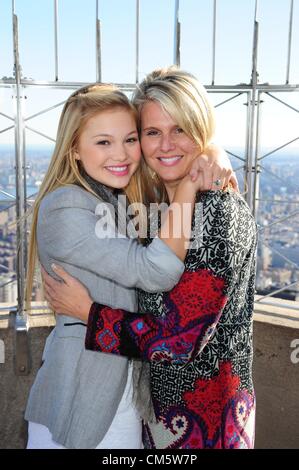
(178,92)
(64,169)
(183,97)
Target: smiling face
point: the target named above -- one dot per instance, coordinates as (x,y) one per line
(166,148)
(109,148)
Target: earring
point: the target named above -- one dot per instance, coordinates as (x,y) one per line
(153,174)
(76,155)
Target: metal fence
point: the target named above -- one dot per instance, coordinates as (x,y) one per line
(254,93)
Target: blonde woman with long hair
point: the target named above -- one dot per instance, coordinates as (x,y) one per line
(197,337)
(80,399)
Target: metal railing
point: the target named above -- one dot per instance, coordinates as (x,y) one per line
(253,91)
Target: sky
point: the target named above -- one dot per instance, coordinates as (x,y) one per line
(76,31)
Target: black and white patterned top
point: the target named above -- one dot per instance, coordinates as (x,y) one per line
(198,336)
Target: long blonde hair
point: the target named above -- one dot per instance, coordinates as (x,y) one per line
(178,92)
(183,97)
(64,169)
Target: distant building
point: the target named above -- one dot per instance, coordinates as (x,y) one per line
(264,257)
(264,280)
(281,277)
(9,289)
(3,218)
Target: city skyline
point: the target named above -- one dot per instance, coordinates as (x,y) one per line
(276,244)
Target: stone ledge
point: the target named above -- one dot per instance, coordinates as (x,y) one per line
(41,316)
(277,312)
(274,311)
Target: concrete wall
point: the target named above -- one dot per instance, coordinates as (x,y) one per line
(276,376)
(276,380)
(14,389)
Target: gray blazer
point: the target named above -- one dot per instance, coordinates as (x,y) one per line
(76,392)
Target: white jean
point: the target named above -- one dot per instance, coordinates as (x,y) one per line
(125,431)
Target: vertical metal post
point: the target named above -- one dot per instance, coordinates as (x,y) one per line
(20,161)
(56,38)
(252,135)
(290,40)
(256,186)
(22,357)
(247,143)
(177,35)
(256,10)
(137,42)
(98,45)
(214,42)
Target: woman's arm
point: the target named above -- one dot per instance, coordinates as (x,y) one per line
(186,328)
(194,307)
(175,233)
(72,298)
(140,336)
(215,165)
(67,234)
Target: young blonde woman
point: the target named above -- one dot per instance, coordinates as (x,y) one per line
(198,336)
(80,399)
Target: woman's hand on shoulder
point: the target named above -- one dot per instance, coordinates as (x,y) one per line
(216,169)
(68,296)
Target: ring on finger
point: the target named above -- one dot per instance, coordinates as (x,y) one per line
(218,182)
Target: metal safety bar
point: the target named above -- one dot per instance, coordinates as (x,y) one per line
(177,35)
(98,45)
(214,42)
(290,40)
(137,41)
(56,39)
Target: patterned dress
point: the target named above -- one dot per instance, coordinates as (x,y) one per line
(198,336)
